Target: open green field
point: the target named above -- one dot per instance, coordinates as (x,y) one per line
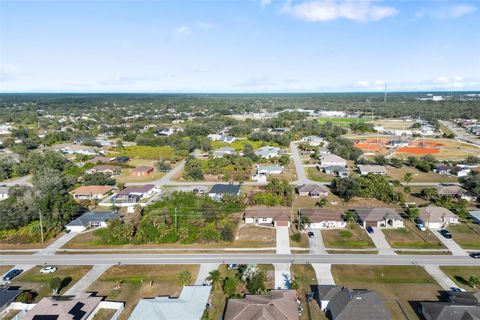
(145,152)
(316,175)
(466,235)
(350,238)
(239,144)
(460,275)
(411,237)
(343,122)
(399,286)
(418,176)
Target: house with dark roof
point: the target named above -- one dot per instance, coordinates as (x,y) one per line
(323,218)
(91,219)
(311,190)
(7,295)
(133,194)
(276,216)
(457,306)
(277,305)
(378,217)
(219,190)
(341,303)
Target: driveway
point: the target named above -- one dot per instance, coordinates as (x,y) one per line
(282,275)
(443,280)
(324,273)
(92,275)
(316,244)
(24,267)
(283,240)
(454,248)
(378,238)
(57,244)
(204,272)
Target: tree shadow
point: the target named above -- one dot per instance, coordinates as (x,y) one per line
(65,282)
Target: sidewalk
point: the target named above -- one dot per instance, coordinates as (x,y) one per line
(378,238)
(92,275)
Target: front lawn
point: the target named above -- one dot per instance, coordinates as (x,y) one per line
(460,275)
(305,276)
(399,286)
(412,238)
(316,175)
(350,238)
(418,176)
(466,235)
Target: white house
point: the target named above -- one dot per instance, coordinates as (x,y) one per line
(314,141)
(276,216)
(92,219)
(268,170)
(220,153)
(373,169)
(214,137)
(268,152)
(332,160)
(437,217)
(323,218)
(3,192)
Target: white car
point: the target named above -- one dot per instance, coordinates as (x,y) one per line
(49,269)
(421,227)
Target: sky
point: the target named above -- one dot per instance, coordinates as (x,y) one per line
(239,45)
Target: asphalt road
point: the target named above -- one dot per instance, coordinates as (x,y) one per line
(460,133)
(263,258)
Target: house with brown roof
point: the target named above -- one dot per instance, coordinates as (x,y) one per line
(276,216)
(90,192)
(311,190)
(142,171)
(105,169)
(278,305)
(437,217)
(323,218)
(378,217)
(455,191)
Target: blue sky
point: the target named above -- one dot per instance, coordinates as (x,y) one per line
(239,46)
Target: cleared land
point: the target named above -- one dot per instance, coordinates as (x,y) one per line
(460,275)
(412,238)
(132,283)
(40,283)
(125,176)
(316,175)
(350,238)
(400,286)
(466,235)
(343,122)
(450,150)
(418,176)
(306,277)
(35,245)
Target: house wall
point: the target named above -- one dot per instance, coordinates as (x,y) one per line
(328,225)
(260,220)
(76,228)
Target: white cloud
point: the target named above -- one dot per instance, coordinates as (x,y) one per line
(460,10)
(264,3)
(329,10)
(447,12)
(181,31)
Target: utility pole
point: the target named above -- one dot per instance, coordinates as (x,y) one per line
(41,224)
(175,220)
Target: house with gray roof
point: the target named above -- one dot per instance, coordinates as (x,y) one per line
(91,219)
(219,190)
(341,172)
(312,190)
(268,152)
(7,295)
(221,152)
(190,305)
(332,160)
(341,303)
(372,169)
(457,306)
(269,169)
(437,217)
(378,217)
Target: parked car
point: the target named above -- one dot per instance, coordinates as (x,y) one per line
(475,255)
(232,266)
(311,234)
(445,233)
(419,220)
(370,230)
(48,269)
(12,274)
(421,227)
(457,289)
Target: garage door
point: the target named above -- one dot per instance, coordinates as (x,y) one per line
(371,223)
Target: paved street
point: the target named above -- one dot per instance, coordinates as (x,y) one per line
(378,238)
(316,244)
(240,258)
(283,240)
(92,275)
(460,133)
(443,280)
(454,248)
(297,161)
(21,181)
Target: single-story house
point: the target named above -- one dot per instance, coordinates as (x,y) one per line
(442,169)
(378,217)
(278,304)
(90,192)
(397,143)
(341,172)
(4,192)
(133,194)
(214,137)
(105,169)
(312,190)
(268,170)
(276,216)
(475,216)
(190,305)
(342,303)
(76,149)
(455,191)
(457,306)
(268,152)
(332,160)
(96,160)
(373,169)
(91,219)
(220,153)
(219,190)
(314,141)
(437,217)
(142,171)
(227,139)
(7,295)
(323,218)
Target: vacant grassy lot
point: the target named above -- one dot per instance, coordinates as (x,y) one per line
(343,122)
(40,283)
(132,283)
(466,235)
(351,238)
(306,277)
(460,275)
(303,243)
(411,237)
(316,175)
(36,245)
(145,152)
(399,286)
(393,123)
(418,176)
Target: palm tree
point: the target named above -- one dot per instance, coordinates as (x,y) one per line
(184,278)
(408,177)
(214,277)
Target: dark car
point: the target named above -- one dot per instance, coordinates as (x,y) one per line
(370,230)
(418,220)
(446,234)
(12,274)
(311,234)
(122,159)
(475,255)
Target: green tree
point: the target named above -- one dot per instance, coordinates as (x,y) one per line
(184,278)
(408,177)
(55,285)
(345,188)
(214,277)
(230,286)
(428,193)
(473,281)
(256,283)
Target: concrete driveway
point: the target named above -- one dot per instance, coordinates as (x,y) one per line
(204,272)
(324,273)
(454,248)
(443,280)
(378,238)
(316,244)
(283,240)
(83,284)
(282,275)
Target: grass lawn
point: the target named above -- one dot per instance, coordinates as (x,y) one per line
(399,286)
(460,275)
(306,277)
(316,175)
(411,237)
(342,122)
(303,243)
(418,176)
(125,176)
(466,235)
(40,283)
(393,123)
(350,238)
(451,150)
(104,314)
(4,269)
(144,152)
(132,283)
